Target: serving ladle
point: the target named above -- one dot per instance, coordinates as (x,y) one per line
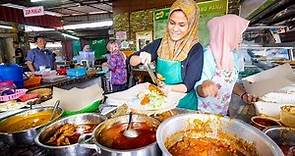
(129,132)
(54,109)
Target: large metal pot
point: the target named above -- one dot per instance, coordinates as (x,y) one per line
(69,150)
(148,150)
(26,137)
(282,136)
(236,128)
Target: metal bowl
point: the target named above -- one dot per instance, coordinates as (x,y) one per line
(26,137)
(240,130)
(282,135)
(262,122)
(69,150)
(148,150)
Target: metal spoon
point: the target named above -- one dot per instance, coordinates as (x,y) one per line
(152,74)
(54,109)
(129,132)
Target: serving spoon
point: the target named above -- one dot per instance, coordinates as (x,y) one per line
(129,132)
(54,109)
(152,74)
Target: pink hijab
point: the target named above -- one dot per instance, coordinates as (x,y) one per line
(225,35)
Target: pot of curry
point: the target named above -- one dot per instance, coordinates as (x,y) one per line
(61,137)
(284,137)
(109,139)
(21,128)
(208,134)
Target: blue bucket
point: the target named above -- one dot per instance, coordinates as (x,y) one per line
(12,72)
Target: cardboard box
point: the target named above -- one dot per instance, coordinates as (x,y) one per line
(76,98)
(269,80)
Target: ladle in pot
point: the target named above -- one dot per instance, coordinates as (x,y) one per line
(54,109)
(129,132)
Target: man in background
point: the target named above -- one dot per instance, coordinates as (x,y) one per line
(87,55)
(19,55)
(40,57)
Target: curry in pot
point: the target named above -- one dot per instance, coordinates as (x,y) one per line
(288,150)
(199,139)
(203,147)
(68,134)
(23,122)
(114,138)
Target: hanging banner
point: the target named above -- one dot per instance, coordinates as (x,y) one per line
(208,10)
(160,22)
(33,11)
(99,47)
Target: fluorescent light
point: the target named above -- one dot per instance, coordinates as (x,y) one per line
(70,31)
(36,0)
(96,12)
(30,28)
(70,36)
(48,45)
(6,27)
(89,25)
(52,13)
(265,27)
(13,6)
(53,45)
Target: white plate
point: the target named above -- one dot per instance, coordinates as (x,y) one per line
(269,108)
(130,97)
(12,106)
(279,97)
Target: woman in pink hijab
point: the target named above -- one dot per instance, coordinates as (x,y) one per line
(219,73)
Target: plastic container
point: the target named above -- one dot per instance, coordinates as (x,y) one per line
(62,71)
(76,72)
(92,107)
(16,95)
(7,84)
(12,72)
(287,116)
(33,81)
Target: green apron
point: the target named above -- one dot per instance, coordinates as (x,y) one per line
(171,71)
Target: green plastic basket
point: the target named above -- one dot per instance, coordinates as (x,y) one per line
(92,107)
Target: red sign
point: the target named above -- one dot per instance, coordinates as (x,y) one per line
(34,11)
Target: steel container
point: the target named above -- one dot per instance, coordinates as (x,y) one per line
(26,137)
(262,143)
(69,150)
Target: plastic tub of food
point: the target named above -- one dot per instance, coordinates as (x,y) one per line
(76,72)
(33,81)
(262,122)
(287,115)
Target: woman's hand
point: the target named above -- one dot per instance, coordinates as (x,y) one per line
(145,58)
(245,97)
(248,98)
(135,60)
(175,88)
(166,88)
(208,88)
